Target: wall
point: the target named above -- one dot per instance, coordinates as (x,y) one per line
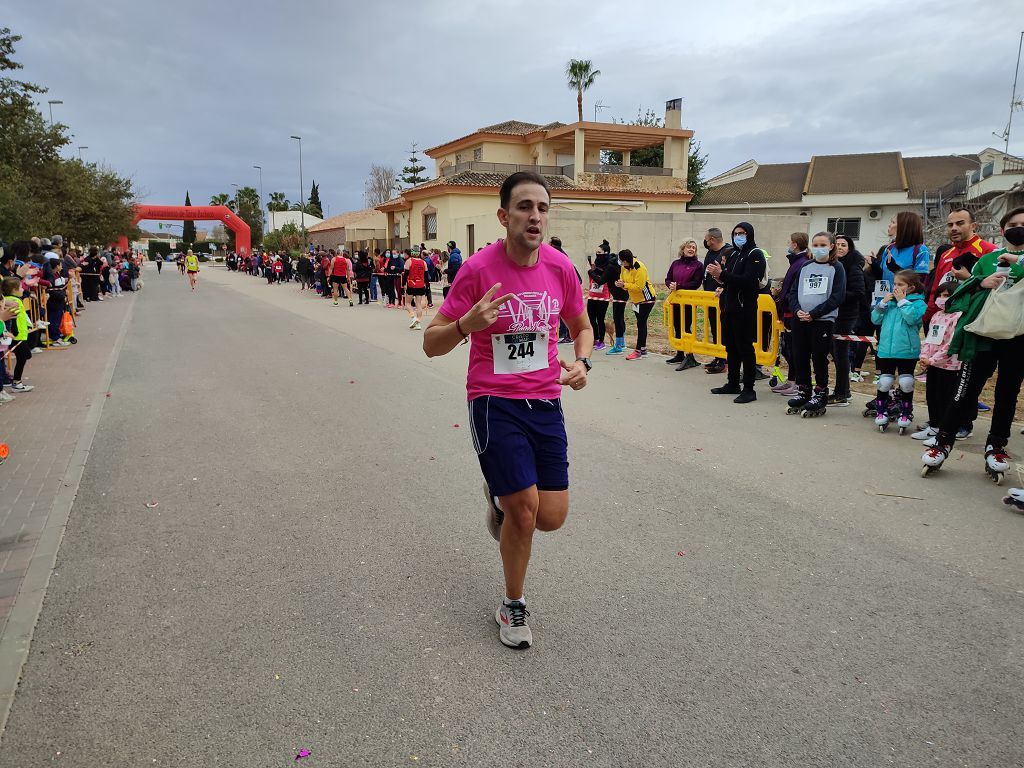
(655,238)
(277,219)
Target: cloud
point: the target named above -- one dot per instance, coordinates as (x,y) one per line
(192,95)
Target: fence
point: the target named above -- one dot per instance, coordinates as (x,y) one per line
(694,324)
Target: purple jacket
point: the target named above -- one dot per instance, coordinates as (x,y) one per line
(687,274)
(796,263)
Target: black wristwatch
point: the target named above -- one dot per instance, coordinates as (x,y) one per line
(586,363)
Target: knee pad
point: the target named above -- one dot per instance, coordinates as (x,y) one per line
(885,382)
(907,383)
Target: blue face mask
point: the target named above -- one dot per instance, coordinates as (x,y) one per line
(739,240)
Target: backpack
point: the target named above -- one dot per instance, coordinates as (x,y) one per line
(766,280)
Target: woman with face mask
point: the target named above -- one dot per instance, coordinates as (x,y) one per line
(815,298)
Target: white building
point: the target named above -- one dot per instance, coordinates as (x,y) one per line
(859,194)
(277,219)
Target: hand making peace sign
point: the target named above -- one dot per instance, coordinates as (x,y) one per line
(483,314)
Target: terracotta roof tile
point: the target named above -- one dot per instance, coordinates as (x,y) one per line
(344,219)
(518,127)
(778,183)
(931,173)
(852,174)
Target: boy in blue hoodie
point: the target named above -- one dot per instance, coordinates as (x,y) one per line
(899,314)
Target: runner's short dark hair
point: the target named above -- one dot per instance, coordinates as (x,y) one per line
(959,208)
(521,177)
(1009,215)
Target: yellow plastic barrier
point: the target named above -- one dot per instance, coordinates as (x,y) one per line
(694,324)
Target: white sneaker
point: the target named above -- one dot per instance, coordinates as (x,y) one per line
(932,441)
(925,433)
(19,387)
(41,324)
(512,627)
(5,397)
(854,376)
(37,350)
(412,324)
(61,343)
(418,327)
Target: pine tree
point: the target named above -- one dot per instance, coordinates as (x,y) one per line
(411,173)
(188,228)
(313,208)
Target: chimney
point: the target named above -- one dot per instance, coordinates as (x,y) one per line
(674,113)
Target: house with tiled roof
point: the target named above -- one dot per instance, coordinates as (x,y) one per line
(460,202)
(858,194)
(355,230)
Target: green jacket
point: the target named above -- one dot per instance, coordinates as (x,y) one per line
(969,298)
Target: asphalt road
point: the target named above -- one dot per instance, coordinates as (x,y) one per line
(730,589)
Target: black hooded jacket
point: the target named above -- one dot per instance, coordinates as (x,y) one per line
(741,277)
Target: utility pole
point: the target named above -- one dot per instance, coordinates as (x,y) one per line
(302,204)
(1014,104)
(258,168)
(80,153)
(51,102)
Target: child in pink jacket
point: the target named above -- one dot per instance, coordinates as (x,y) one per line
(943,368)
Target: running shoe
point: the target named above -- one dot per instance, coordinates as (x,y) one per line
(350,303)
(41,323)
(781,385)
(838,401)
(599,345)
(636,354)
(5,397)
(983,407)
(493,517)
(335,303)
(856,376)
(513,629)
(565,340)
(36,350)
(20,387)
(926,433)
(412,324)
(963,433)
(791,391)
(418,327)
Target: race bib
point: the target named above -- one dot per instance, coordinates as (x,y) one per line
(937,330)
(881,289)
(523,352)
(814,285)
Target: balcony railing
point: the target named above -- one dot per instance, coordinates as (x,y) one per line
(552,170)
(630,170)
(509,168)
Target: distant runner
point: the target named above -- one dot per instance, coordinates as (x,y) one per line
(192,268)
(508,300)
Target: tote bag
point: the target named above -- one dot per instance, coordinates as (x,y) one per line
(1002,316)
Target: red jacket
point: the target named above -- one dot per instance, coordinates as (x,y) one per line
(975,246)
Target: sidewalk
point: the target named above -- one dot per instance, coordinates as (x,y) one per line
(49,431)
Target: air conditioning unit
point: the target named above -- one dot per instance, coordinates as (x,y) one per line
(874,214)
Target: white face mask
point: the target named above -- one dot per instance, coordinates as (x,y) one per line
(820,253)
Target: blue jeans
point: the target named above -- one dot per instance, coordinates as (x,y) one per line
(373,287)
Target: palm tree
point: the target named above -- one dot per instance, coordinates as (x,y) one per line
(581,75)
(278,202)
(221,199)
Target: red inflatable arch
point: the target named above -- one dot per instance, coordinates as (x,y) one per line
(221,213)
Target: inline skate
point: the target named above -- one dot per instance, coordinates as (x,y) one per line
(996,463)
(1015,500)
(796,404)
(882,414)
(933,459)
(905,420)
(816,405)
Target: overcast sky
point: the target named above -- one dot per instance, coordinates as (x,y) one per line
(190,95)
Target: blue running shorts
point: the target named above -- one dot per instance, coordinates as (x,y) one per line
(520,443)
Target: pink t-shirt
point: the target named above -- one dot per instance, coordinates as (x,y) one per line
(543,292)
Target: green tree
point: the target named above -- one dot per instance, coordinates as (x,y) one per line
(188,228)
(278,202)
(222,199)
(580,75)
(411,174)
(287,238)
(39,191)
(247,206)
(654,157)
(313,207)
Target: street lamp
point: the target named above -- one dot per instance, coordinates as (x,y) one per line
(302,205)
(51,102)
(80,153)
(264,224)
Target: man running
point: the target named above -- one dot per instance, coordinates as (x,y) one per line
(192,268)
(508,300)
(415,287)
(159,263)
